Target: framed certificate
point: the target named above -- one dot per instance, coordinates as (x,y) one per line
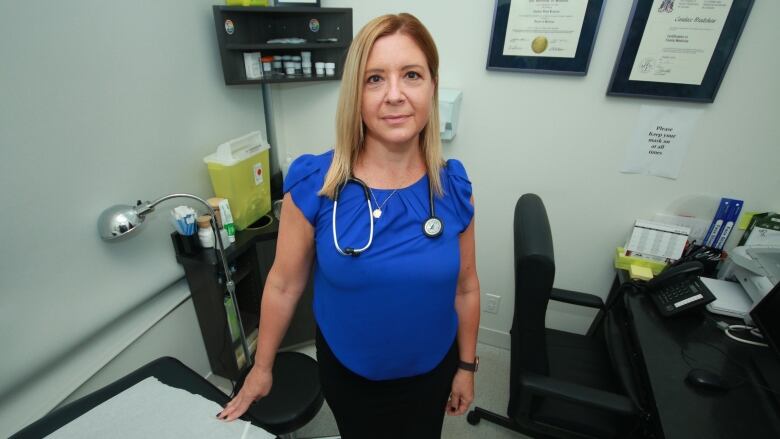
(315,3)
(678,49)
(544,36)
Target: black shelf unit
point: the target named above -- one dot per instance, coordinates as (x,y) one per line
(305,46)
(251,27)
(250,259)
(280,80)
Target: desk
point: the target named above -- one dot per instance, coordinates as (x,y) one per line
(664,347)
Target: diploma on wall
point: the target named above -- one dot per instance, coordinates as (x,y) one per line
(544,28)
(679,40)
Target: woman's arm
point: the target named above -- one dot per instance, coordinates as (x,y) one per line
(283,289)
(467,307)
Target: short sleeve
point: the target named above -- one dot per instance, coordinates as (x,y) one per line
(461,192)
(303,182)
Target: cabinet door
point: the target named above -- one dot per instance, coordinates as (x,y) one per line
(302,327)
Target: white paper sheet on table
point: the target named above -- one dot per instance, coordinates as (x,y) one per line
(151,409)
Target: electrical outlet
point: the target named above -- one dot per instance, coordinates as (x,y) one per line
(492,303)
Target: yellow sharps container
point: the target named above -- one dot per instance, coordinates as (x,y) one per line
(240,172)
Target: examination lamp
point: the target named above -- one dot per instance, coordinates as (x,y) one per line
(121,220)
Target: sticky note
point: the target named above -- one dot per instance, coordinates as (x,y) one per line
(744,220)
(641,273)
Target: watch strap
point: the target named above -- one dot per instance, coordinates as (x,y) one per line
(471,367)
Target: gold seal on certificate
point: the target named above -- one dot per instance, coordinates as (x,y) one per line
(544,28)
(539,44)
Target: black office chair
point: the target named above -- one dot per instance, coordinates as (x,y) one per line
(561,385)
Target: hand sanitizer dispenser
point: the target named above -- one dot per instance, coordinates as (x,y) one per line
(449,109)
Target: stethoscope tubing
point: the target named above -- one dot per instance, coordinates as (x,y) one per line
(349,251)
(352,251)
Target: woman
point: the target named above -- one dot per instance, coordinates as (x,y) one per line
(396,294)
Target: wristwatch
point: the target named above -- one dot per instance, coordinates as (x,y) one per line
(471,367)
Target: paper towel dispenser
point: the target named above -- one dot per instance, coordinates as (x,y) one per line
(449,109)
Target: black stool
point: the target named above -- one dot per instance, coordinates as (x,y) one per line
(295,398)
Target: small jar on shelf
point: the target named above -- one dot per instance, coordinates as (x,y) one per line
(330,69)
(268,65)
(278,66)
(205,233)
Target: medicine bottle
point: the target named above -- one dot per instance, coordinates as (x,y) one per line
(330,69)
(267,62)
(205,234)
(278,68)
(214,203)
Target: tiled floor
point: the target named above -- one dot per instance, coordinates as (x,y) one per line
(492,393)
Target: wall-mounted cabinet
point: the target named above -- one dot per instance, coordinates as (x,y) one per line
(327,33)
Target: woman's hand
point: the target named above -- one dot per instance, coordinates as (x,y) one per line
(257,385)
(462,393)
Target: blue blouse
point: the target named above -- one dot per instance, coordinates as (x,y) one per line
(390,312)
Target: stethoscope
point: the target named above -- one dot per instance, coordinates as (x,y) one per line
(432,227)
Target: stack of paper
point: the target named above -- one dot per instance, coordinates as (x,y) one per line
(151,409)
(657,241)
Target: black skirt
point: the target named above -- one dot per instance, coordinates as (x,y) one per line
(410,407)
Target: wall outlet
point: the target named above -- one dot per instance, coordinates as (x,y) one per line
(492,303)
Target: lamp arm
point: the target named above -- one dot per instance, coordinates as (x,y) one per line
(148,207)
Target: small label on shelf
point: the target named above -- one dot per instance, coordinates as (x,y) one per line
(232,318)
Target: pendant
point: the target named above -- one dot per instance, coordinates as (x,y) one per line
(377,213)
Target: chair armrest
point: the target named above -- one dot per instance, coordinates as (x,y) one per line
(576,298)
(550,387)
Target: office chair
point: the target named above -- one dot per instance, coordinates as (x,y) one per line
(561,385)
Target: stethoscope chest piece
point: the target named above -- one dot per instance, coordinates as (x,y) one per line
(433,227)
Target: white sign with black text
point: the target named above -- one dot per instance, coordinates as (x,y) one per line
(660,141)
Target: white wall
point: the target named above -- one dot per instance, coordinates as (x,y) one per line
(100,103)
(162,326)
(176,335)
(563,139)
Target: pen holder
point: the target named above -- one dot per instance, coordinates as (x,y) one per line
(709,257)
(711,265)
(189,243)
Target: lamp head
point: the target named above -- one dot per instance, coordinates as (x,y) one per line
(120,220)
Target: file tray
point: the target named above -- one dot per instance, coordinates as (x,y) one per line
(624,262)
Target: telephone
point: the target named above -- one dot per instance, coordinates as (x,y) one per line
(678,289)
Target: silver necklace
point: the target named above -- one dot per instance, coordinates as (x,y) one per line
(378,211)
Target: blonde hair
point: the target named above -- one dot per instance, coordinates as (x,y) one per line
(349,122)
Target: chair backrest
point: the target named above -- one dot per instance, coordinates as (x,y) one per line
(534,265)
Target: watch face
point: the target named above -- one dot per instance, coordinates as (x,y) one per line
(433,227)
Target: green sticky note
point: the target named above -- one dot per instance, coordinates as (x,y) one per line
(744,220)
